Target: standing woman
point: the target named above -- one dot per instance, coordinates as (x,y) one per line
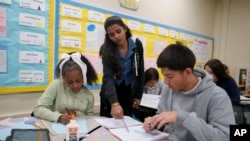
(222,79)
(123,70)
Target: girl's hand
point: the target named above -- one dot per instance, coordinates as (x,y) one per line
(65,118)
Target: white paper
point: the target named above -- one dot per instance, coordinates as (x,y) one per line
(183,36)
(173,34)
(95,34)
(71,11)
(7,122)
(3,60)
(3,26)
(163,31)
(5,1)
(137,133)
(96,61)
(31,57)
(150,100)
(33,4)
(190,38)
(69,41)
(71,26)
(149,28)
(201,50)
(31,76)
(150,62)
(31,38)
(159,45)
(31,20)
(134,25)
(96,16)
(117,123)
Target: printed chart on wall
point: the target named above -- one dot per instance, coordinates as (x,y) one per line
(80,28)
(24,45)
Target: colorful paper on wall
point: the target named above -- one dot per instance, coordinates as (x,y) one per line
(2,22)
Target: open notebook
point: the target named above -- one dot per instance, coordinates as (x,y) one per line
(136,132)
(150,100)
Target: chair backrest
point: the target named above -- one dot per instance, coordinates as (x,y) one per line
(32,114)
(238,109)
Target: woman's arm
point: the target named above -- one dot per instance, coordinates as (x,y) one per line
(109,84)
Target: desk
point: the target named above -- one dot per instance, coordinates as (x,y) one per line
(244,100)
(246,95)
(101,134)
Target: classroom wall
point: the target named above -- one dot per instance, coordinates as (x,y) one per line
(232,33)
(207,17)
(23,103)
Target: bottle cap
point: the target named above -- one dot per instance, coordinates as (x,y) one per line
(73,117)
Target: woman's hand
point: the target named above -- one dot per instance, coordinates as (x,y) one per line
(116,111)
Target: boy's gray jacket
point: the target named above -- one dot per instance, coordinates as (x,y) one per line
(204,114)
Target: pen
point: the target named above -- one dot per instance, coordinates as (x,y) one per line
(94,129)
(67,111)
(125,125)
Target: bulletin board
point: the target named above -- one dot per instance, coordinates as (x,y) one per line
(26,45)
(80,28)
(33,35)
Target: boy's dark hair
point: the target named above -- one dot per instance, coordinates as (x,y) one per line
(151,74)
(176,57)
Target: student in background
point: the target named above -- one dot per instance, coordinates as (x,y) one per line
(227,69)
(152,85)
(193,108)
(68,91)
(222,79)
(123,70)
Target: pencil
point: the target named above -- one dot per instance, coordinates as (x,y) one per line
(45,124)
(67,111)
(125,125)
(38,125)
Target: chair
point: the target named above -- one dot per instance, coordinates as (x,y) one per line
(32,114)
(241,111)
